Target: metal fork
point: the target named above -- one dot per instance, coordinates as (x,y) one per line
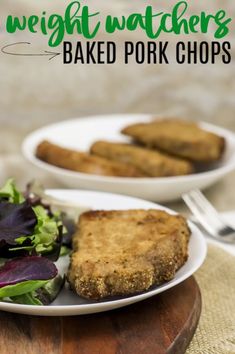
(208,217)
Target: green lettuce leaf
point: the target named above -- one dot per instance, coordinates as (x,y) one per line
(49,292)
(44,295)
(26,299)
(64,251)
(9,192)
(46,237)
(21,288)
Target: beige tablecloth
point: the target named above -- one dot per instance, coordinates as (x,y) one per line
(216,330)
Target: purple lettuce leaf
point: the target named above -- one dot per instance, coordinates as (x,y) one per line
(70,227)
(26,268)
(16,220)
(7,253)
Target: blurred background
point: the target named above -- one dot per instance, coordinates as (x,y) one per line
(34,91)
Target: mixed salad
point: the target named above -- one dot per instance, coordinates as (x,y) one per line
(32,238)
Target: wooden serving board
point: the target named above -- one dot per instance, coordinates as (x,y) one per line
(163,324)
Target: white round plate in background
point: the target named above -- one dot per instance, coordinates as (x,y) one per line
(79,134)
(68,303)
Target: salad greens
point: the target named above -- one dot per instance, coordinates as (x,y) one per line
(16,220)
(10,193)
(26,269)
(31,238)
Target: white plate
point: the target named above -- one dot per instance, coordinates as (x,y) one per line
(81,133)
(67,303)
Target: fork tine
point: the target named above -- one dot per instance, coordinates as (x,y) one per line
(208,217)
(207,209)
(198,213)
(205,202)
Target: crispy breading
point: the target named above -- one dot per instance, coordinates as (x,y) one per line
(180,138)
(126,252)
(83,162)
(152,163)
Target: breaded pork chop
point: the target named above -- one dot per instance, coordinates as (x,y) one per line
(82,162)
(152,163)
(126,252)
(180,138)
